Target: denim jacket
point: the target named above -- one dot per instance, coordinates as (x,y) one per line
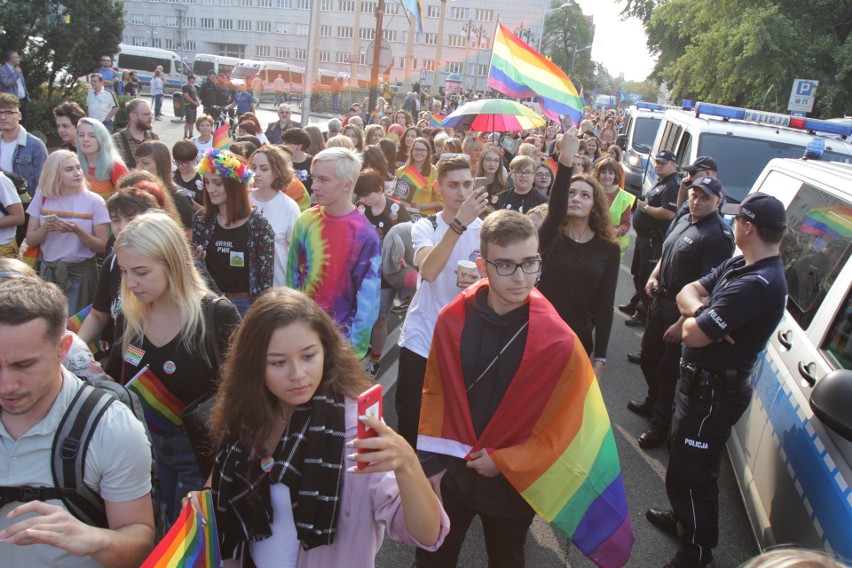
(30,154)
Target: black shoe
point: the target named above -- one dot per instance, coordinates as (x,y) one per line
(635,357)
(627,309)
(663,519)
(634,321)
(643,408)
(651,438)
(679,562)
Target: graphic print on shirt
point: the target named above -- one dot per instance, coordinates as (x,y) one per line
(235,258)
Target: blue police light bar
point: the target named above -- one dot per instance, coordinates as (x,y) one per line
(773,119)
(650,106)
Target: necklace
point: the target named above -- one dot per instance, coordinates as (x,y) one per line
(584,235)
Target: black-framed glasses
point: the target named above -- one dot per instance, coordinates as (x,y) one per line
(508,268)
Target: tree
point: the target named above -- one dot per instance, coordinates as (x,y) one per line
(566,30)
(60,41)
(649,90)
(750,56)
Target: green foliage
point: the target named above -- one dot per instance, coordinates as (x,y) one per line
(59,42)
(649,90)
(747,52)
(566,30)
(41,112)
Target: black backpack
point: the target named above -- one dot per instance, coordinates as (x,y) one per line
(21,186)
(70,445)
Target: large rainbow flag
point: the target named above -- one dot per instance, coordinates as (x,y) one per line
(520,71)
(550,436)
(191,542)
(162,409)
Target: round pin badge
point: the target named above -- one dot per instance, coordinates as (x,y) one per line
(361,208)
(381,224)
(495,199)
(267,463)
(395,208)
(169,367)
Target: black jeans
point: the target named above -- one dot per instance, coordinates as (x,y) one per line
(409,394)
(700,431)
(504,538)
(646,253)
(660,361)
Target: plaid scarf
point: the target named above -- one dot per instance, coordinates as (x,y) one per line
(308,460)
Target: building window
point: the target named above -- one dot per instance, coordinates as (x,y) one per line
(208,2)
(327,5)
(284,4)
(282,53)
(481,70)
(369,7)
(264,26)
(459,13)
(232,50)
(282,28)
(226,24)
(392,9)
(243,25)
(227,2)
(484,15)
(264,3)
(389,35)
(454,67)
(207,24)
(431,39)
(189,22)
(300,54)
(433,11)
(456,40)
(325,31)
(303,4)
(362,59)
(263,50)
(189,45)
(302,29)
(324,56)
(367,33)
(153,20)
(342,57)
(346,6)
(245,3)
(344,32)
(429,64)
(137,19)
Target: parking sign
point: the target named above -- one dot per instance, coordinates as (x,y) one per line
(802,95)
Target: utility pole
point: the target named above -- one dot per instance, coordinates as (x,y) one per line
(377,46)
(479,33)
(467,28)
(436,73)
(310,63)
(356,47)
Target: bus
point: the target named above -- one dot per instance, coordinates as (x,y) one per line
(144,60)
(204,63)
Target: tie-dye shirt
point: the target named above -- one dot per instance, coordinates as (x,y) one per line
(335,261)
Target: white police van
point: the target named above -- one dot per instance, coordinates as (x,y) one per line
(742,142)
(791,450)
(641,122)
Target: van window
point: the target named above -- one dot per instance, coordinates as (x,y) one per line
(202,68)
(814,249)
(143,62)
(684,151)
(644,133)
(838,342)
(671,132)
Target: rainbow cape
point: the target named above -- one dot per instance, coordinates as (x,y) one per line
(221,139)
(162,409)
(550,436)
(189,543)
(520,71)
(413,178)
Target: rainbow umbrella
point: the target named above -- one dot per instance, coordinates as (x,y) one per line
(828,222)
(494,115)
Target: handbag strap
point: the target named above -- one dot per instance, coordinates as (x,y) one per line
(210,332)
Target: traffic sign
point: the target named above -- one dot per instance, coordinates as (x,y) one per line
(385,54)
(802,95)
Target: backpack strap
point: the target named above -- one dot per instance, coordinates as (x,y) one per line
(210,338)
(70,445)
(131,159)
(433,218)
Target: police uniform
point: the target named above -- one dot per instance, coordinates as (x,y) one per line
(650,233)
(691,251)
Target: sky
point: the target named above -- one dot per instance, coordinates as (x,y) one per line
(619,45)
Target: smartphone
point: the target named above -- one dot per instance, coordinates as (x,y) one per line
(49,218)
(479,182)
(369,404)
(566,125)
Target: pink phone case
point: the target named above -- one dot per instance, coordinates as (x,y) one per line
(369,404)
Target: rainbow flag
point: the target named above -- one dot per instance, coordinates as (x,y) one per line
(190,543)
(75,322)
(520,71)
(162,408)
(413,178)
(437,120)
(221,139)
(551,163)
(550,436)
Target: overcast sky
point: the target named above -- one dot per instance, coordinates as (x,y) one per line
(619,45)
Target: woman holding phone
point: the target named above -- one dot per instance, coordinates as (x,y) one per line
(286,419)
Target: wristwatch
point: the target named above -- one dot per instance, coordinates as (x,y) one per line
(645,209)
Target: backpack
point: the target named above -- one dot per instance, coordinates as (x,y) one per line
(21,186)
(69,448)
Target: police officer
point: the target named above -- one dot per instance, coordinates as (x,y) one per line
(698,243)
(703,166)
(651,218)
(726,319)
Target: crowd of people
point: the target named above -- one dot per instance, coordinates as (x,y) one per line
(265,274)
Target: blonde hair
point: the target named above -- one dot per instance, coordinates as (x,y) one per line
(157,236)
(793,558)
(340,141)
(51,174)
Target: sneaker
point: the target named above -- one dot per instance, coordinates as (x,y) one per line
(402,307)
(373,369)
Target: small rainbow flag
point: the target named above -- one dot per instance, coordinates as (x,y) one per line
(221,139)
(437,120)
(190,543)
(162,408)
(75,322)
(520,71)
(30,255)
(551,163)
(413,178)
(550,436)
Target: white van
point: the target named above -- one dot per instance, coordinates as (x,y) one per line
(268,71)
(204,63)
(144,60)
(742,142)
(641,122)
(792,449)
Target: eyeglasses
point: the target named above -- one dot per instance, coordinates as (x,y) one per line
(508,268)
(522,174)
(181,164)
(542,175)
(418,150)
(7,113)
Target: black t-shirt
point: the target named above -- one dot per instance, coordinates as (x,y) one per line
(183,204)
(518,202)
(664,194)
(692,250)
(393,214)
(188,89)
(195,186)
(303,172)
(227,258)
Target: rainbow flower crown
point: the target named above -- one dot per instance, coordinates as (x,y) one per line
(226,164)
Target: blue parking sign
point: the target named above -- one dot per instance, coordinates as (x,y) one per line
(802,95)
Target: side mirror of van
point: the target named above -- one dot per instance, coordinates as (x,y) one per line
(831,399)
(621,141)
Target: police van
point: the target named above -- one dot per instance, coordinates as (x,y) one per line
(641,122)
(145,60)
(791,451)
(742,142)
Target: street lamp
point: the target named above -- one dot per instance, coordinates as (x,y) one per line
(546,12)
(574,57)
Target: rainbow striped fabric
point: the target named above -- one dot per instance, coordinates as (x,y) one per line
(413,177)
(221,139)
(520,71)
(550,436)
(75,322)
(162,408)
(437,120)
(190,543)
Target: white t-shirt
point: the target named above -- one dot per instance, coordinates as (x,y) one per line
(8,196)
(85,208)
(419,325)
(202,146)
(281,550)
(281,212)
(7,154)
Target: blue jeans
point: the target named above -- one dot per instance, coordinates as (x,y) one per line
(108,124)
(158,105)
(242,304)
(177,470)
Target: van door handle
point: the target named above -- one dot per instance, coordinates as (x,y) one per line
(807,372)
(784,338)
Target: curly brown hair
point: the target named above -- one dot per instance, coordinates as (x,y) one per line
(599,219)
(245,406)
